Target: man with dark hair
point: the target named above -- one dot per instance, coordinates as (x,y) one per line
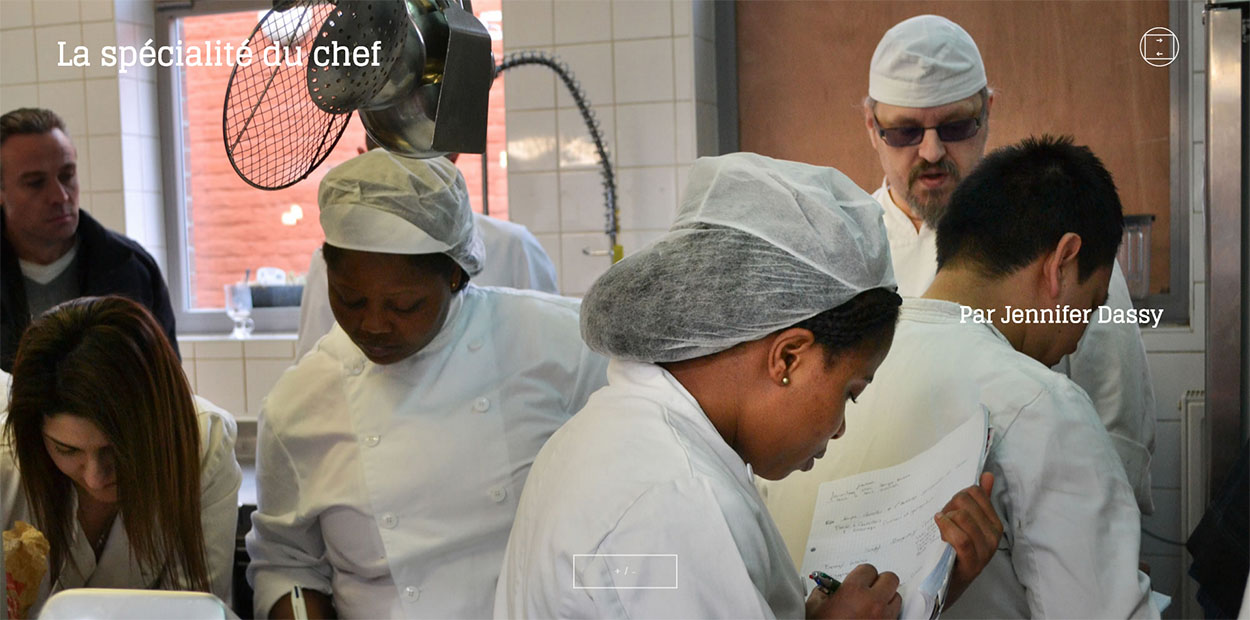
(1026,199)
(50,251)
(927,116)
(1026,249)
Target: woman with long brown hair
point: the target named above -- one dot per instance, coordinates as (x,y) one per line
(130,476)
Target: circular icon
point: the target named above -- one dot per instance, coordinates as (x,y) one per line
(1159,46)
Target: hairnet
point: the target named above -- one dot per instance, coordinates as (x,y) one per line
(379,202)
(923,62)
(758,245)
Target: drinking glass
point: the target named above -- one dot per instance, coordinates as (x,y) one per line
(239,309)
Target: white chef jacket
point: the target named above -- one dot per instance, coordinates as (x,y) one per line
(220,477)
(393,487)
(1109,362)
(641,470)
(1071,524)
(913,252)
(514,259)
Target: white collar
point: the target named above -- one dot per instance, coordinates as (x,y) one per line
(686,414)
(895,217)
(451,329)
(941,311)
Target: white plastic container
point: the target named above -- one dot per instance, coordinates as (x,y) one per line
(116,604)
(1134,255)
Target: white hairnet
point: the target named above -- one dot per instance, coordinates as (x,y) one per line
(379,202)
(923,62)
(758,245)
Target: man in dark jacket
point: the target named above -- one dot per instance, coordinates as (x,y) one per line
(51,252)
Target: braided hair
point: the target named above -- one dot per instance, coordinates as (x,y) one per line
(870,315)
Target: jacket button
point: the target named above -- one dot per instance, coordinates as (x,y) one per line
(356,368)
(389,521)
(372,440)
(481,404)
(498,494)
(412,593)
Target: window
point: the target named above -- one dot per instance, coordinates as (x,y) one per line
(220,228)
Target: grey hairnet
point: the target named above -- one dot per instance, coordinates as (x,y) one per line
(379,202)
(758,245)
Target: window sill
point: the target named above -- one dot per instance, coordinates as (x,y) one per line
(256,336)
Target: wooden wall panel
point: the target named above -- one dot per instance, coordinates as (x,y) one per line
(1055,66)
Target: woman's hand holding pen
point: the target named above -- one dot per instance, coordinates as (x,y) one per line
(968,522)
(863,594)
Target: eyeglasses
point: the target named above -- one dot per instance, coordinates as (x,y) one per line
(911,135)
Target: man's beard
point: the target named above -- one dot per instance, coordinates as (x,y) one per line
(932,205)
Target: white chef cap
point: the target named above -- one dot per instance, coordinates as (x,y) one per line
(758,245)
(923,62)
(380,202)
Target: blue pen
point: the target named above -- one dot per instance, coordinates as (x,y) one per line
(825,583)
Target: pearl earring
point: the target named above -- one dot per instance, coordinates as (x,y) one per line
(785,380)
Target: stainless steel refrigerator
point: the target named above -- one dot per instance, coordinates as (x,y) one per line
(1228,235)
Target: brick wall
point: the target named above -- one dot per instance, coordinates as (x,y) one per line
(234,226)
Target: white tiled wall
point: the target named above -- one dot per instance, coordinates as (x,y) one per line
(636,61)
(1176,357)
(112,117)
(236,375)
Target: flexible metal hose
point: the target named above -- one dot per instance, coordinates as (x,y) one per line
(532,57)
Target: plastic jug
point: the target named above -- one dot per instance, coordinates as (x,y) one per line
(1134,255)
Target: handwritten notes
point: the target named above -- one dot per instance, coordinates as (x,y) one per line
(885,518)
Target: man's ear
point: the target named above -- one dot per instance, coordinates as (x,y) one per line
(872,130)
(790,349)
(1060,265)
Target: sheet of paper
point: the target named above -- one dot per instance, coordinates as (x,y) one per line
(885,517)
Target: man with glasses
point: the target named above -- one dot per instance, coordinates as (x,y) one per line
(926,74)
(927,116)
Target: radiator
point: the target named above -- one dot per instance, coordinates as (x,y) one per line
(1195,465)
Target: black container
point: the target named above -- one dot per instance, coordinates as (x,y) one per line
(276,296)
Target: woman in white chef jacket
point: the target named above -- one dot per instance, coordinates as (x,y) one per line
(108,453)
(390,459)
(735,340)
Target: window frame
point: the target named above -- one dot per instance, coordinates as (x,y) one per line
(193,321)
(1176,302)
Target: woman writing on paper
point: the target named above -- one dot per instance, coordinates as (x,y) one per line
(735,341)
(131,478)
